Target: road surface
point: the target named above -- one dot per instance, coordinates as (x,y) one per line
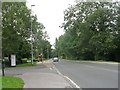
(90,75)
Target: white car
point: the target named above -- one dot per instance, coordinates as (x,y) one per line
(55,59)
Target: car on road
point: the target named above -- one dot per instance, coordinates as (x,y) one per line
(55,59)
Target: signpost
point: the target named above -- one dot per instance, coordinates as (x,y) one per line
(13,60)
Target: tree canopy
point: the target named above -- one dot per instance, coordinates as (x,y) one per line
(16,27)
(92,31)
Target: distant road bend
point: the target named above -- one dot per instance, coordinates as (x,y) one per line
(90,75)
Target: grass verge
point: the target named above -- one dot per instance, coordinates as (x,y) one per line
(26,64)
(98,61)
(12,83)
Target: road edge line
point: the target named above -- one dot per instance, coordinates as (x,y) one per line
(66,77)
(72,82)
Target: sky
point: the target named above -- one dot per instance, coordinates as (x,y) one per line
(50,13)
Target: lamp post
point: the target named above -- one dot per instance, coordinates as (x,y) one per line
(31,36)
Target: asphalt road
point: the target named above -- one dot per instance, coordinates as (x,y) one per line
(90,75)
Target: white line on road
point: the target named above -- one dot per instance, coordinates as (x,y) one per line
(50,68)
(57,70)
(72,82)
(66,77)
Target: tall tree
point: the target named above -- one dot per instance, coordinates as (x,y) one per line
(91,29)
(16,18)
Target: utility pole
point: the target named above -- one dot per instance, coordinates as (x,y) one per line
(31,36)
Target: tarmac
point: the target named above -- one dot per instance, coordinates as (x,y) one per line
(44,79)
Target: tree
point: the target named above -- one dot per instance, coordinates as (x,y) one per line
(91,30)
(16,18)
(16,23)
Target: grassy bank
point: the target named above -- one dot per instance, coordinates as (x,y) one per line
(98,61)
(12,83)
(95,61)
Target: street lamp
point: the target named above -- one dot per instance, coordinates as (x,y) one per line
(31,36)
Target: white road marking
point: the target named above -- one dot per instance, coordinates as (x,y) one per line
(72,82)
(66,77)
(57,70)
(50,68)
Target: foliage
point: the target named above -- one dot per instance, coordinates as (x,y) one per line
(91,31)
(16,36)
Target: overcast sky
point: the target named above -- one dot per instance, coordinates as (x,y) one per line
(50,13)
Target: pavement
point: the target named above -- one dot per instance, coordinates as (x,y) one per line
(44,79)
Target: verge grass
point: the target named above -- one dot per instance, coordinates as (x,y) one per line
(98,61)
(12,83)
(26,64)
